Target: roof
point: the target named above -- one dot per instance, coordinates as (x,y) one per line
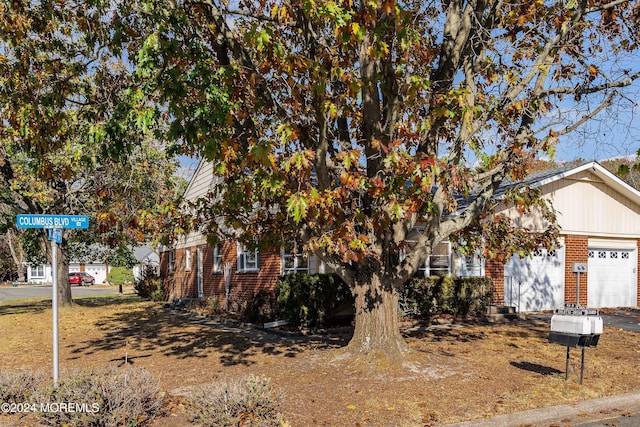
(545,177)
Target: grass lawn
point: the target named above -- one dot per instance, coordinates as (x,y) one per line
(455,373)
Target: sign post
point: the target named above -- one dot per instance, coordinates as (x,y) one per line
(54,225)
(578,268)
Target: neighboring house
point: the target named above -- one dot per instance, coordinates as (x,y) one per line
(599,216)
(146,258)
(41,274)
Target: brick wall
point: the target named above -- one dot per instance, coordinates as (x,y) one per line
(576,250)
(495,270)
(183,283)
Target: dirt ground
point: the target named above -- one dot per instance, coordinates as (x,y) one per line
(456,372)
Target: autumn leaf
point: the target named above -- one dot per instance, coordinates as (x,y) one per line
(297,207)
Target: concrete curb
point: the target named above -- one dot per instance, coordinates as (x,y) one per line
(589,409)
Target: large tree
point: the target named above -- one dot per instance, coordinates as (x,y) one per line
(372,131)
(67,142)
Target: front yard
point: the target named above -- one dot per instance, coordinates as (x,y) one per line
(456,373)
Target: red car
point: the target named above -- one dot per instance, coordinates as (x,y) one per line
(81,278)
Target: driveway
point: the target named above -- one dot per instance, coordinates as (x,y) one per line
(627,319)
(36,291)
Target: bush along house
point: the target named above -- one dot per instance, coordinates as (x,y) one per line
(598,214)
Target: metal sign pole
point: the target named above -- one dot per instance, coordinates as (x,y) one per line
(54,225)
(54,305)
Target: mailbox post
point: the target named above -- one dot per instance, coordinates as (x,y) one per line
(576,326)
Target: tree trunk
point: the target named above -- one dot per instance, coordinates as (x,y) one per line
(62,254)
(17,253)
(64,288)
(376,322)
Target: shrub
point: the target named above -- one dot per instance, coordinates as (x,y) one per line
(423,297)
(17,387)
(312,299)
(107,397)
(246,401)
(260,306)
(473,294)
(120,275)
(149,285)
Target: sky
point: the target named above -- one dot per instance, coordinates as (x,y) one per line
(613,134)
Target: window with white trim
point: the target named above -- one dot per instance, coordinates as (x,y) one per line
(247,259)
(294,260)
(37,271)
(187,259)
(217,259)
(172,261)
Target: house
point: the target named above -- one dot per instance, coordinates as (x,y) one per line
(146,258)
(41,274)
(144,255)
(599,216)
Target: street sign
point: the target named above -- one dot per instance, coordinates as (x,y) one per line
(55,234)
(54,225)
(52,221)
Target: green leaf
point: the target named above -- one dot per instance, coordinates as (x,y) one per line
(297,207)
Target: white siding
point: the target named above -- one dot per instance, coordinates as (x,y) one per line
(203,180)
(587,205)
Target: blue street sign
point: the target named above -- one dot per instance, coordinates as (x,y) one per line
(55,234)
(52,221)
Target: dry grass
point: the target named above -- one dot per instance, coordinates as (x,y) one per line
(454,374)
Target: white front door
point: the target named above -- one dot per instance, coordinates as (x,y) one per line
(536,282)
(612,277)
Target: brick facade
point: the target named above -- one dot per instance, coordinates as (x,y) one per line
(183,282)
(495,270)
(576,250)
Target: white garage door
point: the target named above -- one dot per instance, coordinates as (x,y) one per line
(99,272)
(536,282)
(612,277)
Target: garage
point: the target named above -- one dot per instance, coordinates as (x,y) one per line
(612,274)
(98,271)
(536,282)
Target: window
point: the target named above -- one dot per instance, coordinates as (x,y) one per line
(436,264)
(187,259)
(172,261)
(37,271)
(217,259)
(293,260)
(247,259)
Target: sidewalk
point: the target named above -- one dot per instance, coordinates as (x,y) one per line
(564,415)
